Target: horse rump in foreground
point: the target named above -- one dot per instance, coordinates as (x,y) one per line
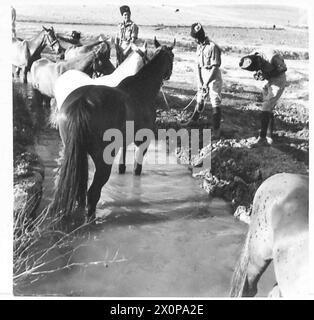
(278,232)
(88,112)
(25,52)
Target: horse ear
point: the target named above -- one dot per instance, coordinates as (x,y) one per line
(144,48)
(156,43)
(174,43)
(45,28)
(133,46)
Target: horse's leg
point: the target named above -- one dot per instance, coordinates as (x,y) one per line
(17,72)
(122,166)
(256,267)
(142,147)
(139,156)
(260,250)
(101,176)
(25,70)
(46,102)
(275,292)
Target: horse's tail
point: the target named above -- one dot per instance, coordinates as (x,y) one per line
(73,175)
(240,272)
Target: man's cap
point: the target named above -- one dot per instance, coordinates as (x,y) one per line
(76,34)
(125,9)
(197,30)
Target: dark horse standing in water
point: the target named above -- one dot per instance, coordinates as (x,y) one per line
(88,112)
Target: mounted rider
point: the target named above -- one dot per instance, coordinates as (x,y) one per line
(209,80)
(127,34)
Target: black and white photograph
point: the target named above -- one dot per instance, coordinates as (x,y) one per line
(156,149)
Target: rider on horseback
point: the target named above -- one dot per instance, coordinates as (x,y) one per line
(127,34)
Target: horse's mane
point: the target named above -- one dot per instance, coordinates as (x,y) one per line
(93,44)
(68,40)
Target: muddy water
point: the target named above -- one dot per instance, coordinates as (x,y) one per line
(160,235)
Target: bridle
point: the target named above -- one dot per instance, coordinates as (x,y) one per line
(97,56)
(170,56)
(51,42)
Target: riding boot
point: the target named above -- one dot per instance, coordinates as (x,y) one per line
(270,128)
(216,122)
(265,120)
(261,140)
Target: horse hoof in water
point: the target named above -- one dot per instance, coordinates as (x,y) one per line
(137,169)
(122,168)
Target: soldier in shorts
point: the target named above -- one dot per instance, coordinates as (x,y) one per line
(127,34)
(268,66)
(208,74)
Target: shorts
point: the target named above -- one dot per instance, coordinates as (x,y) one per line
(272,91)
(214,94)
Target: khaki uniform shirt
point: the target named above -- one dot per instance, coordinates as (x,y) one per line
(208,55)
(127,31)
(275,85)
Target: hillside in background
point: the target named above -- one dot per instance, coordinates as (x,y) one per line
(236,15)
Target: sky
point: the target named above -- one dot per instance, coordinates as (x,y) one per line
(297,3)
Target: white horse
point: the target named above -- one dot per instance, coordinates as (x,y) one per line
(278,232)
(73,79)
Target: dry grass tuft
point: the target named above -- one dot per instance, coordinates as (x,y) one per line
(41,247)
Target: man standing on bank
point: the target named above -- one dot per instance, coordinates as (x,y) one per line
(209,80)
(127,34)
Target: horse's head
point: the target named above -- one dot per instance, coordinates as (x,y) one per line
(251,62)
(102,62)
(52,40)
(167,50)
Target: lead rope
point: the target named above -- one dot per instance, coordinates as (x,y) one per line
(185,108)
(162,91)
(190,102)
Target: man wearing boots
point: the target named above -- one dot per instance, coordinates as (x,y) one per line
(209,80)
(271,67)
